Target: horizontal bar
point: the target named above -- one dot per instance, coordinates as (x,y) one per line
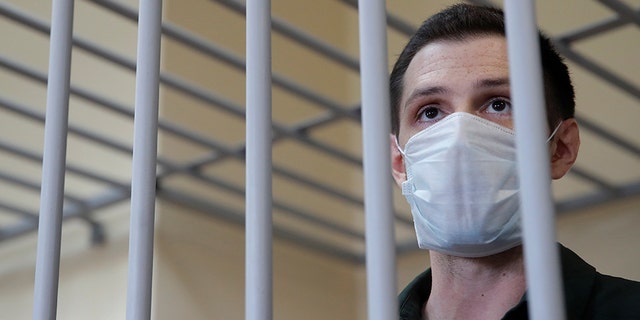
(598,198)
(607,135)
(110,105)
(68,213)
(287,209)
(335,193)
(235,216)
(592,29)
(39,117)
(30,155)
(33,186)
(623,10)
(584,175)
(300,37)
(407,247)
(233,60)
(199,93)
(24,213)
(172,168)
(597,69)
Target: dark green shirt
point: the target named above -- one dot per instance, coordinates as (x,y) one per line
(588,294)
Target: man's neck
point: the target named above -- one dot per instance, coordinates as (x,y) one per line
(475,288)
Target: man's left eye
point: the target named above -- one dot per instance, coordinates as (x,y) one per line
(499,106)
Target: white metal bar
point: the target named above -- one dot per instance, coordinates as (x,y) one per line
(258,277)
(541,252)
(379,222)
(53,163)
(143,182)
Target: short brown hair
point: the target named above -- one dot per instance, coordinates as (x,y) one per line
(462,21)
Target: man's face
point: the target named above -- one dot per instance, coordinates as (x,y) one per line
(456,76)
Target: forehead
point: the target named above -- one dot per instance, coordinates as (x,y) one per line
(447,62)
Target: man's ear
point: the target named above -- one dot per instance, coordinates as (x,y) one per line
(564,149)
(397,163)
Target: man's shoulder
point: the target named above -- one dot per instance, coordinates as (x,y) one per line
(616,285)
(615,298)
(414,295)
(592,295)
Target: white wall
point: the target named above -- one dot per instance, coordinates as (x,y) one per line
(93,279)
(200,273)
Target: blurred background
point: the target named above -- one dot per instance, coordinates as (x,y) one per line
(317,159)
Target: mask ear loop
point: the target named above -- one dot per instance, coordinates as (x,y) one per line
(398,145)
(550,136)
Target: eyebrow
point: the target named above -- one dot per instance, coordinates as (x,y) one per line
(424,92)
(428,91)
(490,83)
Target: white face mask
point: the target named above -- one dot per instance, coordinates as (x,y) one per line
(462,186)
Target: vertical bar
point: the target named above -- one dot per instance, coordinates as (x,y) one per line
(143,182)
(379,224)
(542,257)
(258,283)
(53,162)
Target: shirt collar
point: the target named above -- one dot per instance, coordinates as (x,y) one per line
(578,278)
(414,296)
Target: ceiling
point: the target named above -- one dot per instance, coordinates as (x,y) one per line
(317,162)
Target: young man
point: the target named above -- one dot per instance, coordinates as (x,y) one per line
(453,155)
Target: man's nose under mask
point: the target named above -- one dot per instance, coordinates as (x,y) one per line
(462,186)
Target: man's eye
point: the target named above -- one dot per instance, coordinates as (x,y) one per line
(430,113)
(499,106)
